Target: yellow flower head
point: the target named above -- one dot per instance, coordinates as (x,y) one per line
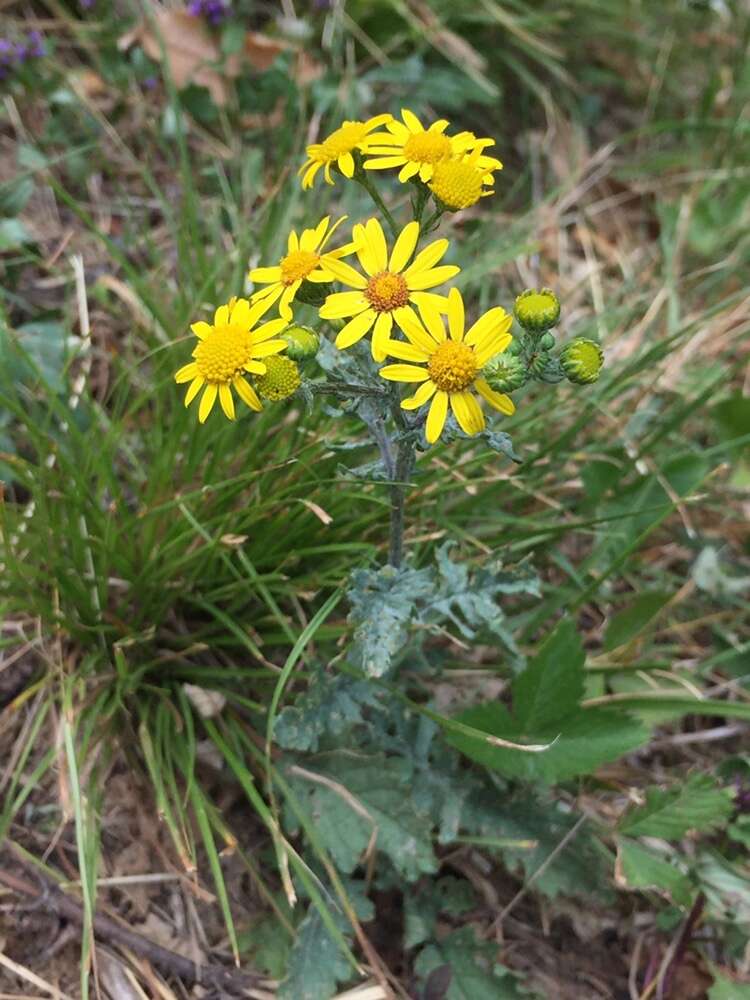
(338,149)
(389,286)
(226,349)
(448,365)
(460,182)
(304,261)
(419,151)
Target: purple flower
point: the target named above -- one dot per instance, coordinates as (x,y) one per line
(13,54)
(213,10)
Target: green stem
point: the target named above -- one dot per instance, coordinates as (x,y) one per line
(344,389)
(404,466)
(361,177)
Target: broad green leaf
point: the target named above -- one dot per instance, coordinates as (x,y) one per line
(448,895)
(728,989)
(475,971)
(697,804)
(640,868)
(727,889)
(316,964)
(626,624)
(356,801)
(546,698)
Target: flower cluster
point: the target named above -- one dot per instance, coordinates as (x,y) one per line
(392,289)
(14,54)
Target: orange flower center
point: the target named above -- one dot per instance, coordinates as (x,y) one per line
(453,366)
(297,265)
(427,147)
(387,291)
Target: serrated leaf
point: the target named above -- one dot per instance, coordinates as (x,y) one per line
(628,622)
(475,970)
(328,707)
(698,804)
(448,895)
(546,697)
(501,442)
(382,606)
(640,868)
(360,801)
(316,964)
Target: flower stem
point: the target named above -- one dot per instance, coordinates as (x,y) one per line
(404,466)
(344,389)
(361,177)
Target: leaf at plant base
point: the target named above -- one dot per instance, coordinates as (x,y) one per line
(330,705)
(546,697)
(728,989)
(267,945)
(382,606)
(727,890)
(639,868)
(626,624)
(316,964)
(476,973)
(362,795)
(697,804)
(448,895)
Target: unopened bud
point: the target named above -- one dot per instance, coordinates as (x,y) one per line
(505,372)
(537,310)
(302,342)
(281,379)
(582,361)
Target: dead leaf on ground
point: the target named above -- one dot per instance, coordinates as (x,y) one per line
(261,51)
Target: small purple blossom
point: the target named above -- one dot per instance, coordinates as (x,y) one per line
(14,54)
(213,10)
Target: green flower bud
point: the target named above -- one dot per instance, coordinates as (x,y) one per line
(505,372)
(546,342)
(303,342)
(281,379)
(582,361)
(537,310)
(539,363)
(313,293)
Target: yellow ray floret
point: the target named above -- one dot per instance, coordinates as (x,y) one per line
(304,261)
(447,365)
(390,286)
(338,149)
(226,349)
(417,151)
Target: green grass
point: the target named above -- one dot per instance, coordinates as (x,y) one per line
(128,561)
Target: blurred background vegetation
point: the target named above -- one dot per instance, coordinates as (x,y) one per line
(147,157)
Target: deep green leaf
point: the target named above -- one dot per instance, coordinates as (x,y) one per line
(316,964)
(640,868)
(476,973)
(697,804)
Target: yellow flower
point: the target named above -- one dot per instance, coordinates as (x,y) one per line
(388,288)
(418,151)
(338,148)
(304,261)
(449,365)
(225,350)
(460,182)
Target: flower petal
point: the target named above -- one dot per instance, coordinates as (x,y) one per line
(439,302)
(355,329)
(345,273)
(494,319)
(269,329)
(456,315)
(492,344)
(467,412)
(433,321)
(265,274)
(380,335)
(407,172)
(404,247)
(499,400)
(221,316)
(227,403)
(246,393)
(346,164)
(269,347)
(428,257)
(383,163)
(194,388)
(426,391)
(411,121)
(187,373)
(207,401)
(285,311)
(404,373)
(254,367)
(377,249)
(340,304)
(428,279)
(201,329)
(436,416)
(409,322)
(292,242)
(406,352)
